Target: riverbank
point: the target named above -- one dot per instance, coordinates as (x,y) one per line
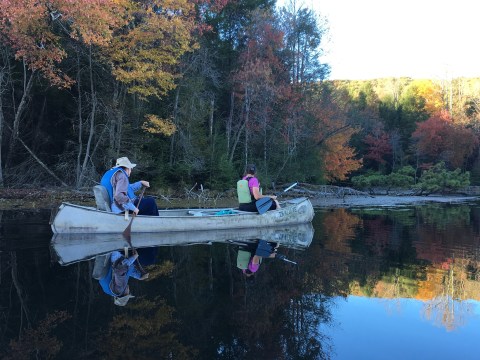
(51,198)
(388,200)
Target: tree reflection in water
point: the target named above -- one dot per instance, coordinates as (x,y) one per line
(197,304)
(428,253)
(271,318)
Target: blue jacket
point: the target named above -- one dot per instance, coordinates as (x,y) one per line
(132,272)
(106,181)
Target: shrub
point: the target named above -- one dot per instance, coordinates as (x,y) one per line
(438,179)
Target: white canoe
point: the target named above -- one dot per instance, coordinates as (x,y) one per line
(72,218)
(74,247)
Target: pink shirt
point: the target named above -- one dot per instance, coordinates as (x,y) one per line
(253,267)
(252,182)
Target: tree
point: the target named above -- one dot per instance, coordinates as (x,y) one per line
(37,32)
(304,32)
(429,93)
(39,342)
(144,53)
(439,138)
(340,159)
(24,29)
(378,146)
(259,83)
(155,329)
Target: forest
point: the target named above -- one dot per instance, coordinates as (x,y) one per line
(192,90)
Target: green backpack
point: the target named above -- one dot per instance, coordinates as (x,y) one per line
(243,192)
(243,258)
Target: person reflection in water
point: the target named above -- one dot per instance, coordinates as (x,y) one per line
(250,258)
(115,283)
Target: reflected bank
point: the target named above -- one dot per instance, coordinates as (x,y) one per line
(197,304)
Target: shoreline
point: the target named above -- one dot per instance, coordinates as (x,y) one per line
(389,200)
(24,199)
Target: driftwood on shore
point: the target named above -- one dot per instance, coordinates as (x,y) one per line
(315,191)
(202,195)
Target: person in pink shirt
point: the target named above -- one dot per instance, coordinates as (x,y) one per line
(263,249)
(255,193)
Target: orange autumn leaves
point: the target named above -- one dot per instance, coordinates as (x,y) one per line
(339,158)
(140,43)
(333,135)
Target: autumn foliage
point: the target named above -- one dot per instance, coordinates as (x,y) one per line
(440,137)
(340,158)
(379,146)
(223,82)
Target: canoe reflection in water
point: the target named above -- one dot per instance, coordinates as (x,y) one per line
(113,269)
(71,248)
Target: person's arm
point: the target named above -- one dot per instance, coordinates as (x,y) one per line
(133,271)
(115,255)
(120,184)
(138,185)
(256,190)
(129,261)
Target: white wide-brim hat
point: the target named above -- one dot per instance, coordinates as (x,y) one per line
(122,301)
(123,161)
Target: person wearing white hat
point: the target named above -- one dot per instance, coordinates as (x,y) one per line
(122,193)
(115,282)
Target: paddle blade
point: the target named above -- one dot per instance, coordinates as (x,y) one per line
(263,205)
(128,230)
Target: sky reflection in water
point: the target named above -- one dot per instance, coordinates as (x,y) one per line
(367,328)
(372,284)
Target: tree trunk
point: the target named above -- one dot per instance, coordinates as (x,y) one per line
(230,120)
(38,137)
(235,143)
(212,106)
(175,122)
(42,164)
(265,144)
(212,140)
(92,122)
(3,76)
(19,288)
(78,170)
(27,87)
(247,116)
(116,119)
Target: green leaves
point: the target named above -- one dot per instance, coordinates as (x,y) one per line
(440,180)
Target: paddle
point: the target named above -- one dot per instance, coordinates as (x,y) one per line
(282,257)
(127,233)
(263,204)
(140,267)
(128,229)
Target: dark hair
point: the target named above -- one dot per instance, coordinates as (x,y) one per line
(250,169)
(250,280)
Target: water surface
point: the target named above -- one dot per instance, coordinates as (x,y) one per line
(371,284)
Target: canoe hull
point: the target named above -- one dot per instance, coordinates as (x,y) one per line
(72,218)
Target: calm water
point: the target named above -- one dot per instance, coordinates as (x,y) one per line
(370,284)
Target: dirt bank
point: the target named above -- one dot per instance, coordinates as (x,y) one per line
(52,198)
(388,201)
